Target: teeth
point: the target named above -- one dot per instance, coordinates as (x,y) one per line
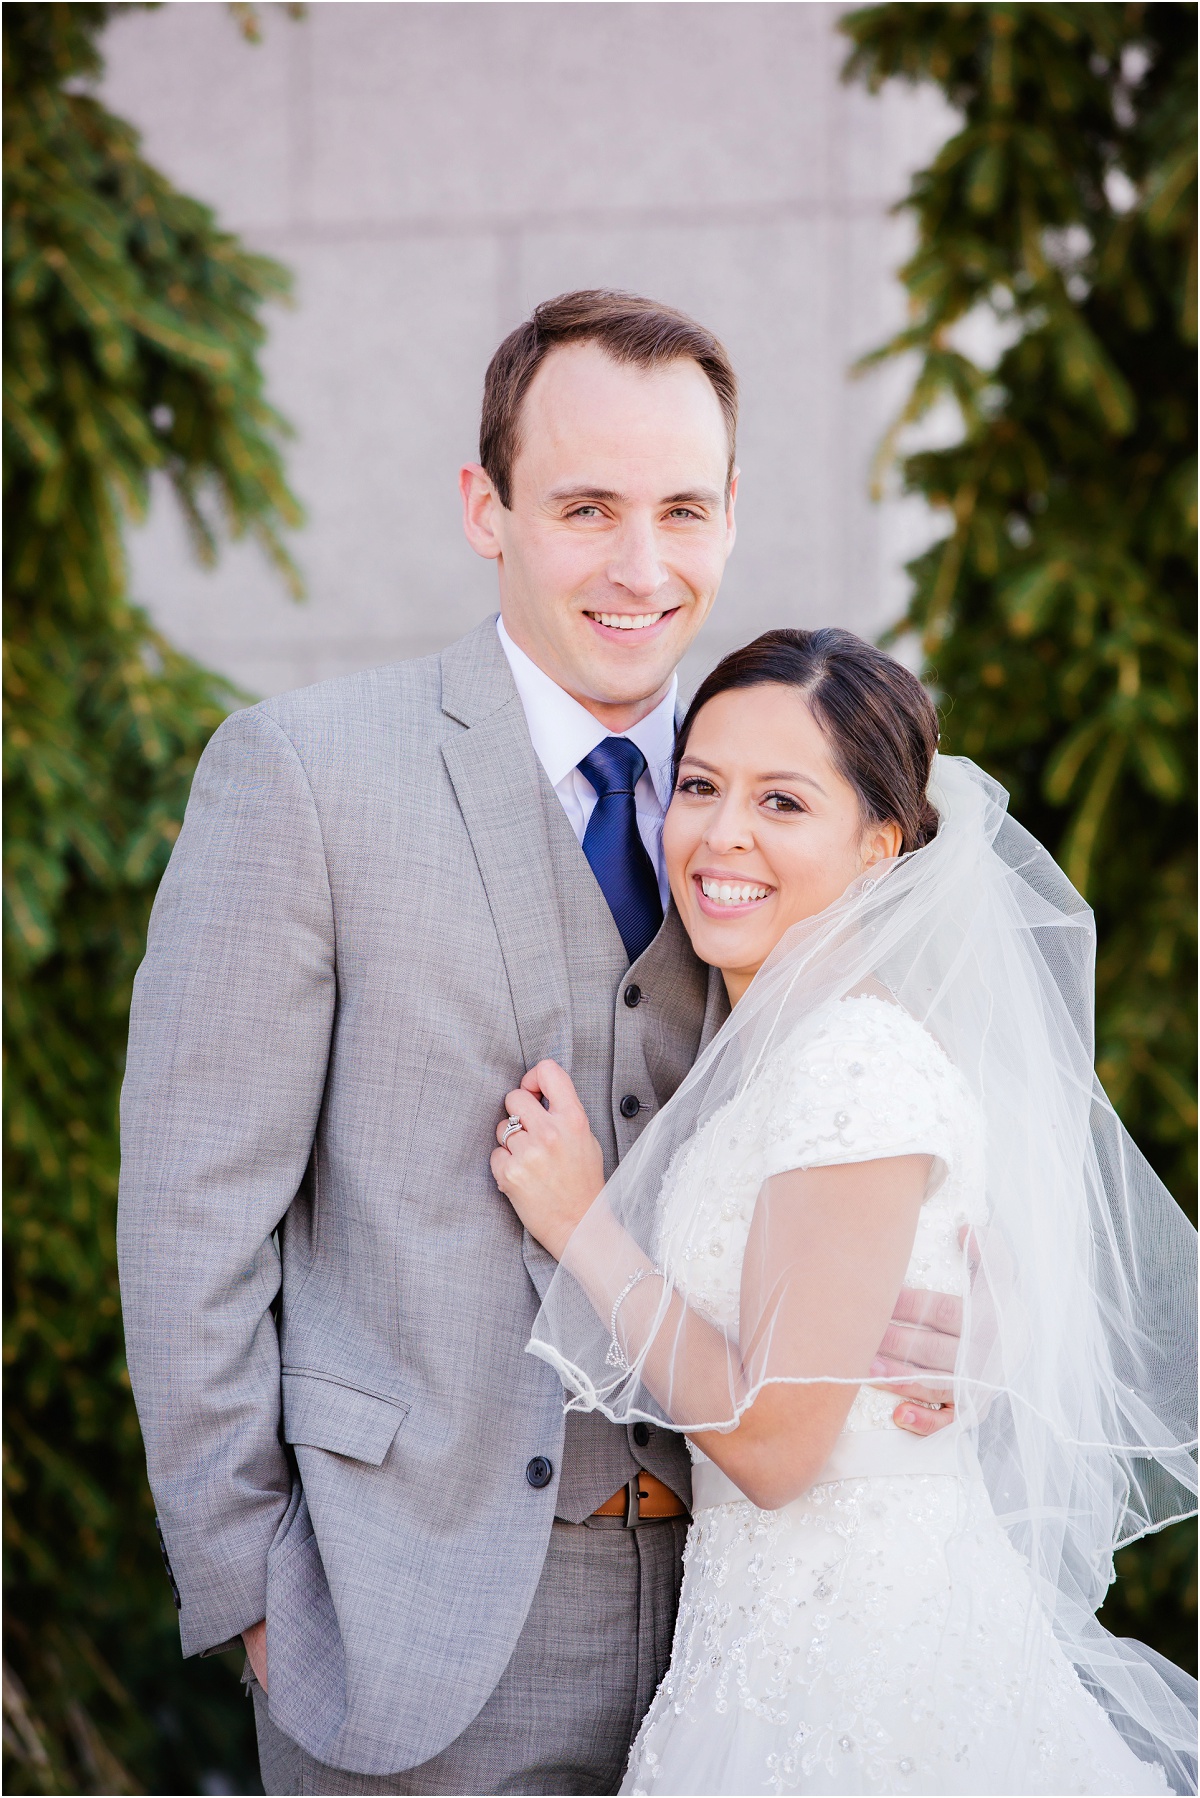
(727,892)
(627,621)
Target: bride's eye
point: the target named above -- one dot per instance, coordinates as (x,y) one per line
(783,802)
(697,786)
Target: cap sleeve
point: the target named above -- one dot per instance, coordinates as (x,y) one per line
(867,1083)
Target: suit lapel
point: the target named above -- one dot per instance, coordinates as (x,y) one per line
(498,783)
(716,1008)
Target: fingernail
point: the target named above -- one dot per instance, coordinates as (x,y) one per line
(878,1365)
(907,1418)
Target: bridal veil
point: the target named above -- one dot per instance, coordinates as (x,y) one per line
(1076,1377)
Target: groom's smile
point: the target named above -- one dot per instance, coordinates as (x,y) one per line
(638,628)
(627,621)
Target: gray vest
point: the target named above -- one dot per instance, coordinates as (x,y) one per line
(636,1032)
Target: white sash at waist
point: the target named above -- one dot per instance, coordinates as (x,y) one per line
(858,1454)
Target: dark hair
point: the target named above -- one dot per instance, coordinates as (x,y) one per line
(628,327)
(878,718)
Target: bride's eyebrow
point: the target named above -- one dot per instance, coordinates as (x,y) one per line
(801,780)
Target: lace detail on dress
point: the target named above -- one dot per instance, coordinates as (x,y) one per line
(879,1634)
(810,1656)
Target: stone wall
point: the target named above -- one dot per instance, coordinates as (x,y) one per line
(430,171)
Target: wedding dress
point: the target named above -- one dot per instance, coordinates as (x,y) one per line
(923,1618)
(870,1636)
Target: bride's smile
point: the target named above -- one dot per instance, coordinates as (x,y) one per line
(764,828)
(722,894)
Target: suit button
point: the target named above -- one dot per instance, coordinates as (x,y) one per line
(539,1472)
(633,995)
(641,1434)
(630,1106)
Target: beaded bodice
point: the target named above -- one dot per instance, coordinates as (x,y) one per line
(861,1081)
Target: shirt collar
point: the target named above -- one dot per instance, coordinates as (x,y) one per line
(563,732)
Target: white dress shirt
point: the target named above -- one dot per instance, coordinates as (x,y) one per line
(563,732)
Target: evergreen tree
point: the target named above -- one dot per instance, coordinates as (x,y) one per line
(1057,613)
(132,334)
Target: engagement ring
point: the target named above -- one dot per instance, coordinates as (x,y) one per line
(511,1128)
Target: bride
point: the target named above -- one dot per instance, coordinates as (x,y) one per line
(903,1094)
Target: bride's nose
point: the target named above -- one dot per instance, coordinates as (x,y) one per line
(728,830)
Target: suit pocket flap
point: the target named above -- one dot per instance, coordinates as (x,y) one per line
(322,1413)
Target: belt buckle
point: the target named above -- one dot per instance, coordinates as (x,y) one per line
(633,1514)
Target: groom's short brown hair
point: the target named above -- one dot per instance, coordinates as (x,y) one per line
(628,327)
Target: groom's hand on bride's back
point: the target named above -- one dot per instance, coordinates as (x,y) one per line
(922,1339)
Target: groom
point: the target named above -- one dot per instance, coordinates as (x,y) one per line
(392,894)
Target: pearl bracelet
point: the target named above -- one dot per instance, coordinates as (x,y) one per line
(616,1354)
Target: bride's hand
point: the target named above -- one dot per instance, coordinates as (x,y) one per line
(552,1168)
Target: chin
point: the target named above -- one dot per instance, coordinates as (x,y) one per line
(714,947)
(618,677)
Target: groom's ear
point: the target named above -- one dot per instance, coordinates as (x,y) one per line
(730,503)
(480,501)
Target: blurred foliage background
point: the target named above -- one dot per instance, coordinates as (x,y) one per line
(1057,618)
(131,336)
(1052,320)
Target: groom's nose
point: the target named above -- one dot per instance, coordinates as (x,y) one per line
(637,566)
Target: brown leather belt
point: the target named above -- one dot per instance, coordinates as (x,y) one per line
(644,1500)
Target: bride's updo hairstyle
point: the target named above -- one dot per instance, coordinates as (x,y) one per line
(879,720)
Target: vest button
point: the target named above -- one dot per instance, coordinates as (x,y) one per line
(641,1434)
(633,995)
(630,1106)
(539,1472)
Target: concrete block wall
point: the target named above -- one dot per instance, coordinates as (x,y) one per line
(429,172)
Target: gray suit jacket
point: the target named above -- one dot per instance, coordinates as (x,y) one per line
(376,917)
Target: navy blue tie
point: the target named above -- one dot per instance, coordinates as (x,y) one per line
(613,846)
